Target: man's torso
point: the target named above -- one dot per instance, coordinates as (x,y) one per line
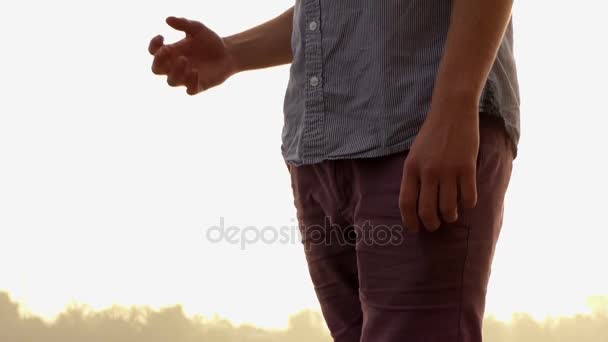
(363,74)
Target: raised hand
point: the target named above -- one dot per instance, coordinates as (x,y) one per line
(198,62)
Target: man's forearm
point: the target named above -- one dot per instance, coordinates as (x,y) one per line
(476,31)
(263,46)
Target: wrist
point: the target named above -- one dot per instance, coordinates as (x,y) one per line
(457,112)
(234,53)
(456,100)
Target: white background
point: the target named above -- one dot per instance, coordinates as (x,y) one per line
(109,178)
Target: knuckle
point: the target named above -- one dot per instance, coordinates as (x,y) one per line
(410,165)
(165,49)
(431,171)
(160,53)
(156,69)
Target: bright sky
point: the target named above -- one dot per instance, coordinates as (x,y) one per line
(109,178)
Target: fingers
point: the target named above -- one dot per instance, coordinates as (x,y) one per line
(427,207)
(183,75)
(468,188)
(155,44)
(408,199)
(192,83)
(162,61)
(177,75)
(187,26)
(428,198)
(448,200)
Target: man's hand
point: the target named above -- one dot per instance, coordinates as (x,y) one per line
(198,62)
(440,170)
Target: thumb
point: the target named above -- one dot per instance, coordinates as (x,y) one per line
(185,25)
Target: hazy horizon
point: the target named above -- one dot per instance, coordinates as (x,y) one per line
(145,324)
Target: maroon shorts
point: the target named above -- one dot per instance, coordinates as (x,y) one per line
(376,282)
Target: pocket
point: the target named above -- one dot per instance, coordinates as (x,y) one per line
(495,151)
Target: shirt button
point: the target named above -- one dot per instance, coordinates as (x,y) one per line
(313,25)
(314,81)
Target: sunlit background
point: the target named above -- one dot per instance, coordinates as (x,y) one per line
(109,179)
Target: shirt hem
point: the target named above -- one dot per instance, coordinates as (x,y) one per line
(512,132)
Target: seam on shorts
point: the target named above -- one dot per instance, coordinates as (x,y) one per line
(481,156)
(464,264)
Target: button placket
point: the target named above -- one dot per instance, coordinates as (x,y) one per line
(313,140)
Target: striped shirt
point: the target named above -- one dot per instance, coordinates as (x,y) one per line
(363,73)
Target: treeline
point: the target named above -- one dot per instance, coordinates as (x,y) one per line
(141,324)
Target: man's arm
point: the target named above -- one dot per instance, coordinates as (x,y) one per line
(263,46)
(476,31)
(203,59)
(441,165)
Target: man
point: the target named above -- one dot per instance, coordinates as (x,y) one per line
(397,113)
